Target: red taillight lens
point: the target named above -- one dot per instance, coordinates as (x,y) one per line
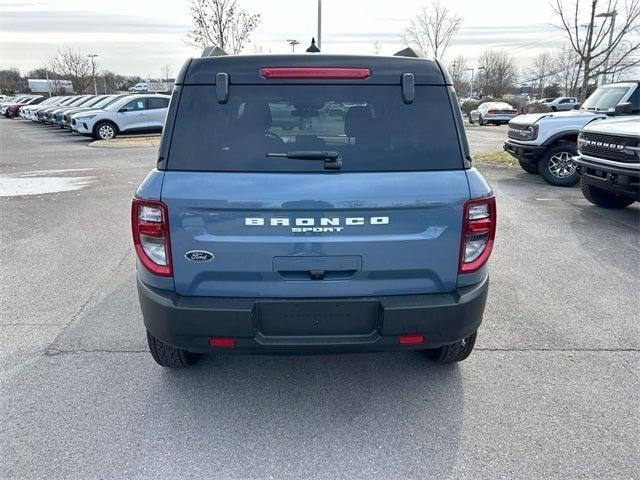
(478,234)
(411,339)
(222,342)
(302,73)
(150,227)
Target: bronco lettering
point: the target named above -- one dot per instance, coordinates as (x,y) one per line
(321,225)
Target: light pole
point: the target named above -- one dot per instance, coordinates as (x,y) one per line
(471,85)
(611,14)
(46,74)
(93,56)
(293,42)
(320,24)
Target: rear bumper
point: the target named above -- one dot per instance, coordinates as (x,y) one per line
(313,325)
(497,118)
(620,180)
(523,152)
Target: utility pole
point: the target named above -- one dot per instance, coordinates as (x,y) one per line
(93,56)
(611,14)
(480,69)
(320,24)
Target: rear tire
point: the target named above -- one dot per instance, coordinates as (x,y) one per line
(556,166)
(528,167)
(168,356)
(455,352)
(604,199)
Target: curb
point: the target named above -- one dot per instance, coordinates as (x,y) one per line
(127,142)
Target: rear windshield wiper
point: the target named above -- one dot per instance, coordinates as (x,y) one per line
(332,160)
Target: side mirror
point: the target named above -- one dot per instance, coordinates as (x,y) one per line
(625,108)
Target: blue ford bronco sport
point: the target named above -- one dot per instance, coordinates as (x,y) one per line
(312,203)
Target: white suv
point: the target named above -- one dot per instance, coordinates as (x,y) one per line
(131,114)
(545,143)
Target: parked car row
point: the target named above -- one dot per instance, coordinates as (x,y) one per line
(102,117)
(586,146)
(10,105)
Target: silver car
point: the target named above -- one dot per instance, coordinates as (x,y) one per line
(496,113)
(561,104)
(131,114)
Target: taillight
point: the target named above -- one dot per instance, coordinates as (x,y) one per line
(478,233)
(306,73)
(150,226)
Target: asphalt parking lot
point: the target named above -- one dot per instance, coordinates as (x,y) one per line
(550,392)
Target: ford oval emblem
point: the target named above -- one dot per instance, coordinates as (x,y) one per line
(199,256)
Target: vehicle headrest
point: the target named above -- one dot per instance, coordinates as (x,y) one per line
(358,121)
(256,115)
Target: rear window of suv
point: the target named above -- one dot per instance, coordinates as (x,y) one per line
(369,126)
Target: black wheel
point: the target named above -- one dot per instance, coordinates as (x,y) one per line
(456,352)
(168,356)
(603,198)
(104,131)
(528,167)
(557,167)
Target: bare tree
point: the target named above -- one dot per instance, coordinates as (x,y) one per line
(432,29)
(72,65)
(260,49)
(166,72)
(541,72)
(222,24)
(458,71)
(567,68)
(600,46)
(10,81)
(496,72)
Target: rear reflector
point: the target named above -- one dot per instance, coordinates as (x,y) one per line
(411,339)
(301,73)
(222,342)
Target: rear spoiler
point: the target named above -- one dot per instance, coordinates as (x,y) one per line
(246,69)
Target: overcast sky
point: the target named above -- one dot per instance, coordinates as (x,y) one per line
(141,36)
